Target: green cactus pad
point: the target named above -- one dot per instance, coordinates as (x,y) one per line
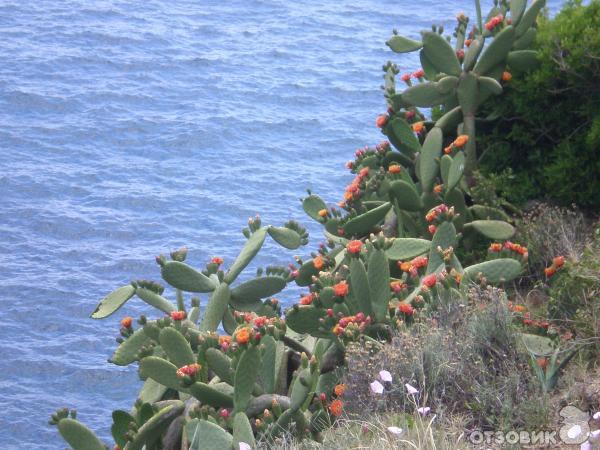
(153,299)
(537,345)
(242,431)
(152,391)
(447,85)
(495,271)
(428,165)
(529,17)
(176,347)
(268,371)
(246,374)
(250,250)
(487,212)
(78,436)
(300,389)
(456,171)
(523,60)
(285,237)
(441,54)
(428,67)
(468,93)
(405,134)
(400,44)
(379,283)
(305,273)
(258,288)
(221,364)
(364,223)
(493,229)
(359,284)
(149,434)
(490,84)
(472,53)
(496,52)
(208,395)
(450,120)
(161,371)
(406,196)
(407,248)
(444,237)
(113,301)
(517,8)
(305,320)
(205,435)
(424,95)
(120,426)
(186,278)
(127,352)
(526,40)
(312,205)
(216,308)
(445,163)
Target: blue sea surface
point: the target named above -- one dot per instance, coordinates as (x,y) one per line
(128,129)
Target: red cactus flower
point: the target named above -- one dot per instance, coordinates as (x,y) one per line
(506,76)
(178,315)
(419,73)
(336,407)
(126,322)
(429,280)
(216,260)
(306,300)
(189,370)
(409,115)
(394,168)
(460,53)
(341,289)
(381,120)
(558,261)
(405,77)
(550,271)
(318,262)
(406,309)
(432,229)
(495,247)
(354,247)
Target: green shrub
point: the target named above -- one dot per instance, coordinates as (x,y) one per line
(548,126)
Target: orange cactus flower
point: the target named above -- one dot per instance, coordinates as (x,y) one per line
(438,188)
(519,308)
(341,289)
(339,389)
(242,336)
(550,271)
(363,172)
(405,266)
(381,120)
(178,315)
(418,127)
(354,247)
(468,42)
(406,308)
(323,213)
(216,260)
(318,262)
(336,407)
(558,262)
(448,150)
(126,322)
(461,140)
(506,76)
(395,168)
(224,341)
(306,300)
(542,362)
(495,247)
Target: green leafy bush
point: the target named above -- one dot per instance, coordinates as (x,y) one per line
(546,128)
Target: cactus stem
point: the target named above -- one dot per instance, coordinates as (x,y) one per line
(295,345)
(180,303)
(470,148)
(479,20)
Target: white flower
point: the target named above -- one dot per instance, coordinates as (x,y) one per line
(411,390)
(244,446)
(376,387)
(596,415)
(595,435)
(574,431)
(395,430)
(424,410)
(384,375)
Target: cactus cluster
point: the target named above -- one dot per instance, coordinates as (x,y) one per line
(235,371)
